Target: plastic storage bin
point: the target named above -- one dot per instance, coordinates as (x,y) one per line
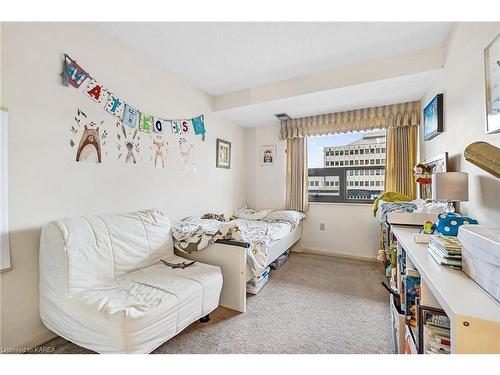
(255,284)
(481,256)
(279,261)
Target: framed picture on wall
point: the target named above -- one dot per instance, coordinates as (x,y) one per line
(492,85)
(433,117)
(267,155)
(223,158)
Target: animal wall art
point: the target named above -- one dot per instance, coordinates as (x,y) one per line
(159,149)
(90,145)
(128,144)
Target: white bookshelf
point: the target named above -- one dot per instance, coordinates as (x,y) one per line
(474,315)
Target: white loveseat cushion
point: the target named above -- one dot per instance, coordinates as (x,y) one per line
(104,247)
(143,309)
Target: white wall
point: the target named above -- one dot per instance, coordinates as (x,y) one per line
(266,185)
(350,229)
(462,83)
(46,183)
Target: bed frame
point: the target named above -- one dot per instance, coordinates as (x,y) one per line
(231,257)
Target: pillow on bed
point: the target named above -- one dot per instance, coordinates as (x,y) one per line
(249,213)
(288,216)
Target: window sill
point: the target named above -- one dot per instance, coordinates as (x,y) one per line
(340,204)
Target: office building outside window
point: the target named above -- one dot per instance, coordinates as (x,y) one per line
(346,167)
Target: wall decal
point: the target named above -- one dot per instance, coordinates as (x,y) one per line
(130,116)
(159,125)
(130,141)
(89,148)
(73,74)
(132,122)
(176,127)
(185,126)
(95,91)
(199,126)
(115,106)
(146,123)
(76,127)
(185,149)
(159,147)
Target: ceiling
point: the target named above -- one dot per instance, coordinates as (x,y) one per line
(372,94)
(222,57)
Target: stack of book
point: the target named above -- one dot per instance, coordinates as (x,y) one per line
(447,251)
(436,332)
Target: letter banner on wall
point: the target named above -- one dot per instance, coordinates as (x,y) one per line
(74,75)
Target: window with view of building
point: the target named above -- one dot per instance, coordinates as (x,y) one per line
(346,167)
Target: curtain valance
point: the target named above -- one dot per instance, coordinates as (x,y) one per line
(383,117)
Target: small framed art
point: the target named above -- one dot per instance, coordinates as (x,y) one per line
(492,85)
(433,117)
(223,158)
(267,155)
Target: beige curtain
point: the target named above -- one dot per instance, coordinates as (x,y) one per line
(296,174)
(383,117)
(400,159)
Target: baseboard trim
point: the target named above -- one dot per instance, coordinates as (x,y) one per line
(336,255)
(34,342)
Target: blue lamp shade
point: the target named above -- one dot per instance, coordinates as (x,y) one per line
(450,186)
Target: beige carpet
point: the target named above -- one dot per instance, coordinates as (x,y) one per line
(312,304)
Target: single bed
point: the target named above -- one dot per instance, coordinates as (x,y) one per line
(232,256)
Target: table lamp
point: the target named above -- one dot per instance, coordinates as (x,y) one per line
(450,187)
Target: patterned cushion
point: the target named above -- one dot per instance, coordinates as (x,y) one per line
(291,217)
(449,223)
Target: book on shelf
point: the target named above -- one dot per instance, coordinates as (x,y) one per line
(433,331)
(448,243)
(445,262)
(411,283)
(445,254)
(447,251)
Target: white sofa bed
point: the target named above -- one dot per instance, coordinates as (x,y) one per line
(103,286)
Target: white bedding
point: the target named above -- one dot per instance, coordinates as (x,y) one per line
(275,231)
(194,234)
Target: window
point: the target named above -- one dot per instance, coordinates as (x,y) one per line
(350,179)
